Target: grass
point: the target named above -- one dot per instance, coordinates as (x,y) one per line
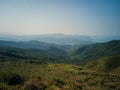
(55,77)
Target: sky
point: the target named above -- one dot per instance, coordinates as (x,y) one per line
(79,17)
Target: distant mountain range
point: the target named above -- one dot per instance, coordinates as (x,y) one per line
(32,45)
(61,39)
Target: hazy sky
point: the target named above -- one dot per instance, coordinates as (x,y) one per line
(84,17)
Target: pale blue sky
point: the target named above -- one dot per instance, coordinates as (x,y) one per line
(83,17)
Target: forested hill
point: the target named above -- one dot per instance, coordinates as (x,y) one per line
(96,51)
(31,45)
(50,54)
(34,50)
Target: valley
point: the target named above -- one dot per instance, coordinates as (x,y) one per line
(52,67)
(59,44)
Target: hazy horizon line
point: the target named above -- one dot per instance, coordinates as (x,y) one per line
(10,34)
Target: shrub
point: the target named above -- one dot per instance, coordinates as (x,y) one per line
(60,82)
(32,86)
(11,78)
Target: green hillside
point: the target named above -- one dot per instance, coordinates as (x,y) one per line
(96,51)
(106,64)
(91,67)
(56,54)
(52,54)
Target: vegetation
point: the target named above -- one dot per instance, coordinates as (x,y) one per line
(54,77)
(107,64)
(96,51)
(89,68)
(11,78)
(50,55)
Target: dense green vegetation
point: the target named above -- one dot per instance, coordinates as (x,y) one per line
(52,54)
(80,55)
(96,51)
(91,67)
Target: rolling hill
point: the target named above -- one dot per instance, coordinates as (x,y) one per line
(35,50)
(48,55)
(32,45)
(96,51)
(34,66)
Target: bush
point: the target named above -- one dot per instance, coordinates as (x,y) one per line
(60,82)
(11,78)
(31,86)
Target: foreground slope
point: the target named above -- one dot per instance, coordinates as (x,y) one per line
(107,64)
(54,77)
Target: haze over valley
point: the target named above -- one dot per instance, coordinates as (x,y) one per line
(59,45)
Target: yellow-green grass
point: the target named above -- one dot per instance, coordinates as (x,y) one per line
(57,77)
